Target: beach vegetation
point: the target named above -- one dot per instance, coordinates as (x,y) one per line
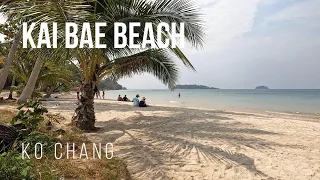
(14,166)
(31,117)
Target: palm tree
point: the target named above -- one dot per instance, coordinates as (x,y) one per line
(12,31)
(95,67)
(54,74)
(96,64)
(5,71)
(126,62)
(27,91)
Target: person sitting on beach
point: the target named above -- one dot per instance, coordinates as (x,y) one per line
(120,98)
(143,103)
(135,101)
(125,98)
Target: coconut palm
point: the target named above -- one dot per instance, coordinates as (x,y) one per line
(12,32)
(3,52)
(128,62)
(5,71)
(53,75)
(96,64)
(95,67)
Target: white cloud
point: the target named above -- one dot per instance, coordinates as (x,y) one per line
(227,20)
(300,10)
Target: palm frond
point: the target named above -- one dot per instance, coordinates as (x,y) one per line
(154,61)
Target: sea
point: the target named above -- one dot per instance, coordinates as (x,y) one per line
(270,100)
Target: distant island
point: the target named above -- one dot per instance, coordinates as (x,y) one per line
(109,84)
(262,87)
(193,86)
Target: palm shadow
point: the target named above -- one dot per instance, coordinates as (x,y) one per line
(157,141)
(156,145)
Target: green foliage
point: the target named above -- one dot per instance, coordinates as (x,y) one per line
(47,142)
(32,117)
(13,167)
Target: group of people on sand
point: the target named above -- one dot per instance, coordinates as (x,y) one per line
(135,100)
(125,98)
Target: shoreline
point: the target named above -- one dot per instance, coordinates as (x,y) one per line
(71,96)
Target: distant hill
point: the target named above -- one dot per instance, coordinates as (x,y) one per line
(109,84)
(262,87)
(193,86)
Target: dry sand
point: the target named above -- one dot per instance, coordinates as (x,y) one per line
(184,143)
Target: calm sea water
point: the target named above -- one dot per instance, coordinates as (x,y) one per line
(302,101)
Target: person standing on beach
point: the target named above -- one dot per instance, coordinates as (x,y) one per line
(97,93)
(78,92)
(179,95)
(103,93)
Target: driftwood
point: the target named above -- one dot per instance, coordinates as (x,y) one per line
(8,135)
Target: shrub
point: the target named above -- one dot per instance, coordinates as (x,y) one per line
(32,117)
(48,142)
(13,167)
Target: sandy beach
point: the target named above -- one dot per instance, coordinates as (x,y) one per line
(185,143)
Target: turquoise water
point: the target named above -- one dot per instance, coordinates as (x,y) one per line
(302,101)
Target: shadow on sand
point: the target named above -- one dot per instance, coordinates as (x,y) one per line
(178,140)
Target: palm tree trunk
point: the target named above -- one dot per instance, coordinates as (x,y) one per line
(49,92)
(8,136)
(84,117)
(5,71)
(11,88)
(28,89)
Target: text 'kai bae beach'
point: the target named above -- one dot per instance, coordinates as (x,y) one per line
(163,35)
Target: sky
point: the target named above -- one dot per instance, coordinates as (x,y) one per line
(253,42)
(249,43)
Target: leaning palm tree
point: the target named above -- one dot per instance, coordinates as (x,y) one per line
(16,41)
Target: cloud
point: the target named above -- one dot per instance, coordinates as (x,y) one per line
(300,10)
(278,49)
(227,20)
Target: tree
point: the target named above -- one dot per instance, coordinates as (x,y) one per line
(54,74)
(5,72)
(12,31)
